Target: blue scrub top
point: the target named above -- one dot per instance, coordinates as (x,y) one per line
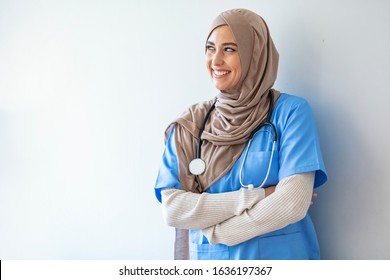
(297,151)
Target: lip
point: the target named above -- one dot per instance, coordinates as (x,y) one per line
(220,73)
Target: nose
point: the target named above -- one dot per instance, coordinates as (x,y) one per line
(217,58)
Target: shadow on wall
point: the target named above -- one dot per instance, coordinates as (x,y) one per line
(347,204)
(350,212)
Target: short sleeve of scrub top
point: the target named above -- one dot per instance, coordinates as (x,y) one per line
(299,146)
(168,174)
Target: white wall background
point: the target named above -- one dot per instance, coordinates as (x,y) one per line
(88,87)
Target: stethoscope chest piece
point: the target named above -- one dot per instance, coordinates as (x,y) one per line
(197,166)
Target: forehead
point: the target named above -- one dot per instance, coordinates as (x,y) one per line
(222,34)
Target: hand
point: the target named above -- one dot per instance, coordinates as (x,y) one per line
(313,196)
(269,190)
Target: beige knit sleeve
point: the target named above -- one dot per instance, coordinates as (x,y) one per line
(288,204)
(189,210)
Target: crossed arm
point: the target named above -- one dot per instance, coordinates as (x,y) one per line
(233,217)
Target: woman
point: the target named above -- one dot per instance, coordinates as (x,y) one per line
(247,194)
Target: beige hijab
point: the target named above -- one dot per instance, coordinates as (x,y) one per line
(237,113)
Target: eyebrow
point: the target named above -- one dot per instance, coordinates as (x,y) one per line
(223,44)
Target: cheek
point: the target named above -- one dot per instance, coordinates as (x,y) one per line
(238,68)
(208,65)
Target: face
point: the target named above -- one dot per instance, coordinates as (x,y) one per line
(222,58)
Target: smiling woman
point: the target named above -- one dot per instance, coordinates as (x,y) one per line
(250,199)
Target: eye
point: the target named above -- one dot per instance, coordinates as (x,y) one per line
(210,48)
(229,49)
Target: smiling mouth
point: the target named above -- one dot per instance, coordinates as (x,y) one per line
(219,74)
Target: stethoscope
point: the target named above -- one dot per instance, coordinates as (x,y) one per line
(197,166)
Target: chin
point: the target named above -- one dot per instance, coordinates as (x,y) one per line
(220,87)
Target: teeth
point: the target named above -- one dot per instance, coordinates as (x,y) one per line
(220,73)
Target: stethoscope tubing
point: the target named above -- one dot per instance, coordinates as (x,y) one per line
(251,186)
(201,129)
